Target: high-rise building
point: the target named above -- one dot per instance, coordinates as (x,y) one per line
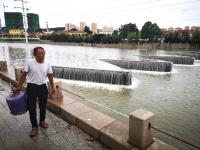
(70,26)
(13,20)
(82,26)
(107,30)
(94,28)
(33,22)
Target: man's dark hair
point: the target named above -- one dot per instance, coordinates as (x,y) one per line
(35,50)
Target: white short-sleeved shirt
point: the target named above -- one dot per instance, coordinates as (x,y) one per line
(37,72)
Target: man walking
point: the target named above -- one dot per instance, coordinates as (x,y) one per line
(37,71)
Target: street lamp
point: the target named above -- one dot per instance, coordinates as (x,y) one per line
(24,18)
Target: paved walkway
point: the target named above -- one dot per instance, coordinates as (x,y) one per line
(14,132)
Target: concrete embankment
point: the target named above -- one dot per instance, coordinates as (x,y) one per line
(109,131)
(142,46)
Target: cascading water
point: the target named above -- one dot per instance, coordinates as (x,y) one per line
(93,75)
(186,60)
(196,55)
(161,66)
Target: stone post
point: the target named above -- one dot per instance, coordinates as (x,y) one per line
(140,135)
(58,94)
(3,66)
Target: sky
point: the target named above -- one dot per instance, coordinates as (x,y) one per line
(166,13)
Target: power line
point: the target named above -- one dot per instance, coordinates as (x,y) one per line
(91,12)
(109,9)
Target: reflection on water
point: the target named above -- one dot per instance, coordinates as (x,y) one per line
(174,97)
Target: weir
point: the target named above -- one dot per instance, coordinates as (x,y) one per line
(191,54)
(186,60)
(93,75)
(161,66)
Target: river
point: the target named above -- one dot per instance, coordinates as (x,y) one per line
(174,97)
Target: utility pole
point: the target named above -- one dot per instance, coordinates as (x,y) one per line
(4,10)
(24,18)
(47,26)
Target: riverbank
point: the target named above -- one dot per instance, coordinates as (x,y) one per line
(142,46)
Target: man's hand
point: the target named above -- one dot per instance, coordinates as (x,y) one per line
(53,91)
(21,81)
(17,89)
(50,77)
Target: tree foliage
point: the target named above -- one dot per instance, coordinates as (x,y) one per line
(87,30)
(150,31)
(195,37)
(177,37)
(96,38)
(127,29)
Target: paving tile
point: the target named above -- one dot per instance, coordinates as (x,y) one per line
(115,136)
(81,140)
(61,142)
(93,121)
(44,142)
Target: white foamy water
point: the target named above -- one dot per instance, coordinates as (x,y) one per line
(111,87)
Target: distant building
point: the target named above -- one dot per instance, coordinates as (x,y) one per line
(195,28)
(70,26)
(171,29)
(54,29)
(163,29)
(187,28)
(94,28)
(107,30)
(72,32)
(13,20)
(16,32)
(178,29)
(82,26)
(33,22)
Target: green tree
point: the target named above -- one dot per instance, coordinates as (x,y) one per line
(97,38)
(184,38)
(132,37)
(126,29)
(177,37)
(195,37)
(150,31)
(87,30)
(115,32)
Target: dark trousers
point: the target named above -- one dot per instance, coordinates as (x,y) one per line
(33,92)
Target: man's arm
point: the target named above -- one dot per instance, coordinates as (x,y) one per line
(21,81)
(50,77)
